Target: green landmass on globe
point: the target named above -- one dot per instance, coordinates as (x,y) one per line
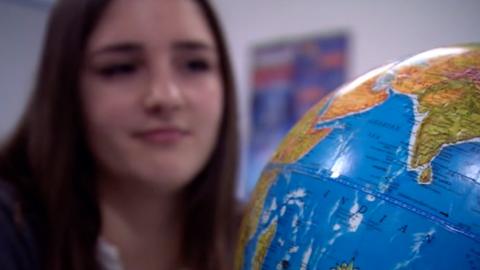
(447,92)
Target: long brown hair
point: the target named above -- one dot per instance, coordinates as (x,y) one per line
(48,160)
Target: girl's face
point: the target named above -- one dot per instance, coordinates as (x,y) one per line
(152,92)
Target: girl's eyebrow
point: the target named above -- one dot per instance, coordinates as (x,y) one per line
(133,47)
(125,47)
(192,45)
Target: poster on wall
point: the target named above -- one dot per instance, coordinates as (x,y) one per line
(287,79)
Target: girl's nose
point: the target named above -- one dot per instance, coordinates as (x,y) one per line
(163,93)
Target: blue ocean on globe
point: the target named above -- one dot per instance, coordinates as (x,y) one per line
(355,201)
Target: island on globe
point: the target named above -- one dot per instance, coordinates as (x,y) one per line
(382,174)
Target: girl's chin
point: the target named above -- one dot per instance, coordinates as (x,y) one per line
(166,182)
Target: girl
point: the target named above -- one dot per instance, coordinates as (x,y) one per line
(126,154)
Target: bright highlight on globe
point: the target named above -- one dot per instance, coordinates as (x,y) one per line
(382,174)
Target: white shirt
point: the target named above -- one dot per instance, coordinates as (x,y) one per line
(108,256)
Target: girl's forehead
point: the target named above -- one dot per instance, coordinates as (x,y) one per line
(151,22)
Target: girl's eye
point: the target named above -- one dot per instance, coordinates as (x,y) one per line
(116,70)
(197,65)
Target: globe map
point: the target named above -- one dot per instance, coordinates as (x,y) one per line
(382,174)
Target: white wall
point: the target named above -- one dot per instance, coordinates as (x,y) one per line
(21,34)
(380,31)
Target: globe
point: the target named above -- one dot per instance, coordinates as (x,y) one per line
(382,174)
